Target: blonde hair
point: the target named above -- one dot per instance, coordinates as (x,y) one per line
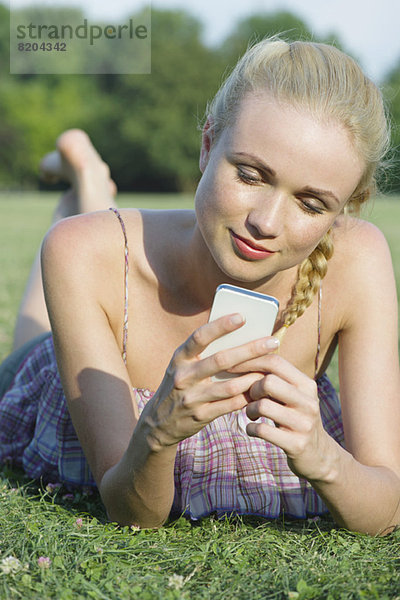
(331,85)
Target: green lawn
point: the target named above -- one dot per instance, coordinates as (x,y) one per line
(54,545)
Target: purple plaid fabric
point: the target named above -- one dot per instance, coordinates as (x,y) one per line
(36,431)
(219,470)
(222,470)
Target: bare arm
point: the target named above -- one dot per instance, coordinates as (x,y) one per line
(131,458)
(370,395)
(136,483)
(95,380)
(359,484)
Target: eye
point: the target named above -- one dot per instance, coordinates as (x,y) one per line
(248,177)
(311,206)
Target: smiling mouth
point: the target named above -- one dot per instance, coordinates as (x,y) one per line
(248,249)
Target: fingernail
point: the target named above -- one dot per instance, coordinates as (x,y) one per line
(271,343)
(237,319)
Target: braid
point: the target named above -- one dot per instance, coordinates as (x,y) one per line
(311,271)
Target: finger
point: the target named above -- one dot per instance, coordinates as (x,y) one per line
(278,389)
(208,400)
(276,364)
(204,335)
(281,415)
(221,390)
(225,407)
(209,392)
(224,360)
(270,433)
(224,397)
(257,364)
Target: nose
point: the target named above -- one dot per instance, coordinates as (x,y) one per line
(266,216)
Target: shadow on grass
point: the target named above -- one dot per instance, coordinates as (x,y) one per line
(79,501)
(74,501)
(322,524)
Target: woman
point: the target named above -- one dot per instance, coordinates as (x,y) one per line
(292,143)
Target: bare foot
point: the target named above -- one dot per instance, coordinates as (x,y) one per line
(77,162)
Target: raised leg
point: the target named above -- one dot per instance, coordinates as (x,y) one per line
(77,162)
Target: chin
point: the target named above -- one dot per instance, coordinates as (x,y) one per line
(247,276)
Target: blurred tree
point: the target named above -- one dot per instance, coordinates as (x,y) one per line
(155,141)
(34,113)
(252,29)
(256,27)
(38,62)
(145,126)
(4,40)
(35,109)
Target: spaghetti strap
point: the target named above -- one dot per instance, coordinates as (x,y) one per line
(126,301)
(319,330)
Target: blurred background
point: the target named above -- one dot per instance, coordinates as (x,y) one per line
(146,127)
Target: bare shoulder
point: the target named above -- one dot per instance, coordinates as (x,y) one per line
(361,265)
(88,231)
(94,238)
(89,248)
(85,252)
(359,248)
(357,238)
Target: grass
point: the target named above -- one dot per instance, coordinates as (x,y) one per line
(229,559)
(89,557)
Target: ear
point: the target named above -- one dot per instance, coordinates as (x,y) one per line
(206,143)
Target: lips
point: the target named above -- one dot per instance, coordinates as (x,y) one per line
(248,249)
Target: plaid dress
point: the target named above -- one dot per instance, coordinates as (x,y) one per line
(219,470)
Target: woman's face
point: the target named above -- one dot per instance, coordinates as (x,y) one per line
(272,186)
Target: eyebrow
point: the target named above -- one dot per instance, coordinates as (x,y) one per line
(322,193)
(257,162)
(263,167)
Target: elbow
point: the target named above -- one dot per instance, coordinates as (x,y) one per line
(126,507)
(130,514)
(134,521)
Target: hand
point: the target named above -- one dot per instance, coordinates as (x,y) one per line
(188,399)
(290,399)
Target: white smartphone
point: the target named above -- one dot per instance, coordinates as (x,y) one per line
(259,311)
